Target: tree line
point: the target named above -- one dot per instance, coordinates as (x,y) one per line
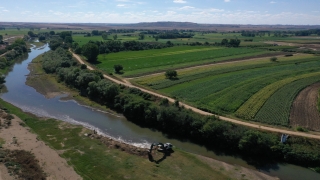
(308,32)
(14,50)
(177,121)
(92,49)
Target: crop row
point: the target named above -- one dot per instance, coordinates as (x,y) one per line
(251,107)
(157,62)
(154,52)
(227,92)
(277,108)
(161,83)
(230,99)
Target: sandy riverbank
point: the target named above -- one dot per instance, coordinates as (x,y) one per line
(53,165)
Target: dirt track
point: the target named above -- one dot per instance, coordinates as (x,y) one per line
(248,124)
(304,110)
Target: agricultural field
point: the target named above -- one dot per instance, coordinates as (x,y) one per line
(304,113)
(241,89)
(280,102)
(137,63)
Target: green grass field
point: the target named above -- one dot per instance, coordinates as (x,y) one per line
(146,62)
(93,160)
(240,88)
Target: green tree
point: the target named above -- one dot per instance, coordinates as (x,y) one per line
(68,39)
(104,36)
(31,34)
(52,33)
(90,51)
(64,34)
(141,36)
(1,38)
(115,37)
(118,68)
(171,74)
(95,33)
(224,42)
(273,59)
(234,42)
(156,38)
(2,79)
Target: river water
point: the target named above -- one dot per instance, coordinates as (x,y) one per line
(114,126)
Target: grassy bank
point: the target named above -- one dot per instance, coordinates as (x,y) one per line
(93,160)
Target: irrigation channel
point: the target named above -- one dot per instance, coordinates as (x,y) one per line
(116,127)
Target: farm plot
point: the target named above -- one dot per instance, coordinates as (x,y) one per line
(277,108)
(226,92)
(145,62)
(160,82)
(304,110)
(251,107)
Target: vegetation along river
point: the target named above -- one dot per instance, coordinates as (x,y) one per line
(116,127)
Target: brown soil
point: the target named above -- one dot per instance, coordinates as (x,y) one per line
(19,138)
(110,143)
(304,111)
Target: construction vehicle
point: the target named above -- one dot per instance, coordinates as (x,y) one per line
(161,147)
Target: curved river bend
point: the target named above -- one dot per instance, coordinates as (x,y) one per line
(113,126)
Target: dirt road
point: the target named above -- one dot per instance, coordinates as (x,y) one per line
(248,124)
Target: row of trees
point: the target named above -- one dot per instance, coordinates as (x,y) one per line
(173,119)
(308,32)
(16,49)
(172,35)
(231,42)
(92,49)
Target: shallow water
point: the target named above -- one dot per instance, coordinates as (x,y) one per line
(114,126)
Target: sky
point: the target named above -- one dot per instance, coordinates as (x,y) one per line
(297,12)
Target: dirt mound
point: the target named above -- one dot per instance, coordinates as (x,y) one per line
(304,111)
(110,143)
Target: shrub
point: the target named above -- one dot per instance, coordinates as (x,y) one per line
(273,59)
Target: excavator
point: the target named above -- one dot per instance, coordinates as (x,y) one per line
(161,147)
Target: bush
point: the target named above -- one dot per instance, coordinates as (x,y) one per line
(117,68)
(171,74)
(273,59)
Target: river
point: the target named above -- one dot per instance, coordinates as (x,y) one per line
(114,126)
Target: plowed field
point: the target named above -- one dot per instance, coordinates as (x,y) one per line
(304,110)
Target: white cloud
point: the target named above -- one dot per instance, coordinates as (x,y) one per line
(179,1)
(121,5)
(227,0)
(5,10)
(273,2)
(186,7)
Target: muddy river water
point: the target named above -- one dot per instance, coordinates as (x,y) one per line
(114,126)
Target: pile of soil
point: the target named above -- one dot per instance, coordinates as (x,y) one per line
(110,143)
